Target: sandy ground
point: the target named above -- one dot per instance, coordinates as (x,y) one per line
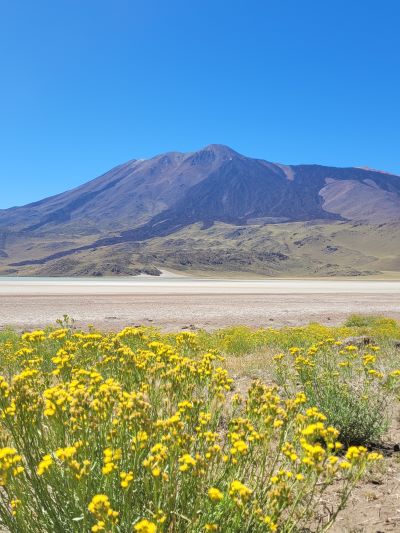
(192,303)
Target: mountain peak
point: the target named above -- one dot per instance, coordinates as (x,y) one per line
(220,149)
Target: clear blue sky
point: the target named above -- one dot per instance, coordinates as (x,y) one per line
(88,84)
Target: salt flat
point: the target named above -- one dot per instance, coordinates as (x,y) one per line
(187,285)
(174,303)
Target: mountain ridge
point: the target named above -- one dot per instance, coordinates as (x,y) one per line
(141,200)
(208,157)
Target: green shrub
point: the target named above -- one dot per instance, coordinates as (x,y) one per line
(350,386)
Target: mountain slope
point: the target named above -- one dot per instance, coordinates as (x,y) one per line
(143,200)
(127,195)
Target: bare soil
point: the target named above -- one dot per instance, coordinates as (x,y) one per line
(180,311)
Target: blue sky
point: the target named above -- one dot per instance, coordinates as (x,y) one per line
(86,85)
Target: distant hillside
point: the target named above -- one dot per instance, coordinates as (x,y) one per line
(143,202)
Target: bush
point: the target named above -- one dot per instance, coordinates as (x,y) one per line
(358,412)
(379,327)
(126,432)
(362,321)
(349,385)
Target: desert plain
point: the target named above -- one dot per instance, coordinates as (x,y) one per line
(174,302)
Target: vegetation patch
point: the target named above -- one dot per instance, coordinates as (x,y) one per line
(144,431)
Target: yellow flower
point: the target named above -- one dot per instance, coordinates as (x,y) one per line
(375,373)
(145,526)
(215,495)
(239,489)
(351,348)
(160,516)
(34,336)
(369,359)
(44,465)
(355,452)
(126,479)
(139,440)
(110,458)
(4,388)
(239,447)
(100,507)
(99,503)
(99,526)
(374,456)
(65,453)
(270,523)
(187,462)
(14,506)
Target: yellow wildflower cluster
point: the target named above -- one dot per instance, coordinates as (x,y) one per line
(10,464)
(100,507)
(349,383)
(145,526)
(140,431)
